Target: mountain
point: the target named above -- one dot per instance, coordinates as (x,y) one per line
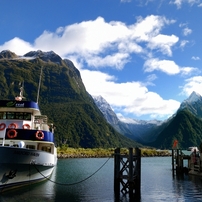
(63,98)
(8,55)
(193,103)
(134,129)
(185,125)
(106,110)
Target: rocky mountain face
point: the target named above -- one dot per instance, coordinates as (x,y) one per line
(193,103)
(8,55)
(135,129)
(106,109)
(45,56)
(63,98)
(185,125)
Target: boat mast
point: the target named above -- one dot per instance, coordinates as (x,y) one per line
(19,98)
(39,85)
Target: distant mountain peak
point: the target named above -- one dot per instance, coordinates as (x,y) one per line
(194,97)
(45,56)
(7,54)
(106,109)
(193,103)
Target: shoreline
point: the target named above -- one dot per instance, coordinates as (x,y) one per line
(107,153)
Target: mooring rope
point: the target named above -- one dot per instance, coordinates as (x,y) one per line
(70,184)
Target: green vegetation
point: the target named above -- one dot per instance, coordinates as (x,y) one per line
(185,128)
(67,152)
(153,152)
(77,120)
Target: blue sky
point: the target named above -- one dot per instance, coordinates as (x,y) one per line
(142,56)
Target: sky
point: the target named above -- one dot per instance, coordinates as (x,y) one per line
(142,56)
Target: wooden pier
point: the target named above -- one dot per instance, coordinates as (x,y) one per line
(178,158)
(127,174)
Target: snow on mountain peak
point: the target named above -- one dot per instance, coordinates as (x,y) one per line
(194,97)
(106,109)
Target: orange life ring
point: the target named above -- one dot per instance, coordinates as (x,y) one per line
(2,126)
(39,135)
(12,133)
(26,126)
(13,126)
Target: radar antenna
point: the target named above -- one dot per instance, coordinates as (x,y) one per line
(19,98)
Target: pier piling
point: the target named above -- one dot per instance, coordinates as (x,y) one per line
(178,162)
(127,174)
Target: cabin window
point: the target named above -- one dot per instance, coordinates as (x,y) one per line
(15,115)
(30,146)
(2,115)
(45,148)
(27,116)
(15,145)
(10,115)
(19,116)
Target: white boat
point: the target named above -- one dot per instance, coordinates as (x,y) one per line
(192,149)
(27,150)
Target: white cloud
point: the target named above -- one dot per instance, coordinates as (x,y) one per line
(163,43)
(17,46)
(179,3)
(125,1)
(183,43)
(99,43)
(149,27)
(192,84)
(96,44)
(130,97)
(187,31)
(151,103)
(118,60)
(167,66)
(195,58)
(150,79)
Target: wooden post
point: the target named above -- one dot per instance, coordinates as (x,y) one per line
(173,161)
(116,174)
(127,173)
(138,174)
(130,179)
(177,161)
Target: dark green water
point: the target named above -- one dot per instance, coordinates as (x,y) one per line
(157,183)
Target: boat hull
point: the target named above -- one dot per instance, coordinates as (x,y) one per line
(19,166)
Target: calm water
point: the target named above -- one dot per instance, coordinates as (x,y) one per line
(157,183)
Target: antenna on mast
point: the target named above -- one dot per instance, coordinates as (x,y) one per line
(39,85)
(19,98)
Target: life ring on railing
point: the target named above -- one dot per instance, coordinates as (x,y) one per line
(12,133)
(2,126)
(26,126)
(39,135)
(13,125)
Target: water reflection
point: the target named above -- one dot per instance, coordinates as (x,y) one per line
(157,183)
